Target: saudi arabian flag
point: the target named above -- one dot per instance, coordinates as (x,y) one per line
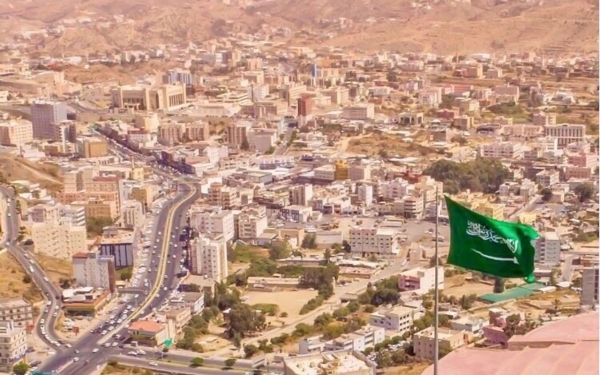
(491,246)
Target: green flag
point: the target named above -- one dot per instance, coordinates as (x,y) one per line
(491,246)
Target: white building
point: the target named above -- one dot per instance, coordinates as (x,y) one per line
(470,324)
(215,221)
(209,257)
(59,240)
(14,345)
(16,132)
(420,280)
(251,223)
(365,194)
(359,340)
(380,242)
(589,286)
(566,133)
(547,249)
(399,319)
(502,150)
(301,194)
(94,270)
(132,214)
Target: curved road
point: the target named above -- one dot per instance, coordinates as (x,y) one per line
(52,293)
(164,275)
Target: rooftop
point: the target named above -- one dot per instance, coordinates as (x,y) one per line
(571,347)
(331,363)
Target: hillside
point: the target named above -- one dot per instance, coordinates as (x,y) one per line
(433,26)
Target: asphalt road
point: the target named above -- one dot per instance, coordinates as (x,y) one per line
(52,293)
(63,363)
(170,368)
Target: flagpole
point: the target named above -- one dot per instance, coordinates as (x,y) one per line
(436,345)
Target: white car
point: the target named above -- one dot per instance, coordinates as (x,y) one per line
(96,350)
(153,364)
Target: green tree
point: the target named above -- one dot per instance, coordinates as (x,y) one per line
(21,368)
(279,250)
(95,225)
(309,241)
(327,255)
(585,191)
(197,362)
(482,174)
(250,350)
(229,363)
(244,320)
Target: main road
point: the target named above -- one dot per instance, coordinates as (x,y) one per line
(171,217)
(49,315)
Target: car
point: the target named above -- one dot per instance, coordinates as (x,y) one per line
(153,364)
(174,256)
(75,359)
(115,344)
(76,351)
(132,353)
(55,315)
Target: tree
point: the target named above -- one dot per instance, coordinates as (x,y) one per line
(327,255)
(584,191)
(432,261)
(250,350)
(481,174)
(309,241)
(229,363)
(21,368)
(197,362)
(279,250)
(26,279)
(95,225)
(244,320)
(546,194)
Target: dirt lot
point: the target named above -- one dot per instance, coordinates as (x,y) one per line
(11,281)
(55,268)
(288,301)
(458,287)
(416,369)
(13,168)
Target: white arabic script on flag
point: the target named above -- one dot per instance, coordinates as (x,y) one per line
(486,234)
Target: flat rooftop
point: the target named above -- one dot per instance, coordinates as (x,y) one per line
(332,363)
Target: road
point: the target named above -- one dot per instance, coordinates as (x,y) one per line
(52,293)
(170,368)
(164,277)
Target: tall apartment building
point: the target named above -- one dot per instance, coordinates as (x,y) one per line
(380,242)
(208,257)
(301,194)
(13,345)
(547,249)
(448,340)
(364,194)
(59,240)
(215,221)
(251,222)
(18,311)
(16,132)
(178,76)
(44,113)
(132,214)
(94,270)
(566,133)
(589,286)
(398,319)
(420,280)
(237,133)
(544,118)
(223,196)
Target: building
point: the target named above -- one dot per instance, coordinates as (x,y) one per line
(589,286)
(359,340)
(567,346)
(420,280)
(448,340)
(92,147)
(469,324)
(566,133)
(16,132)
(18,311)
(119,245)
(215,221)
(359,112)
(132,214)
(547,249)
(44,114)
(345,362)
(380,242)
(237,133)
(502,150)
(94,270)
(193,300)
(148,333)
(166,97)
(13,345)
(208,257)
(301,194)
(59,240)
(399,319)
